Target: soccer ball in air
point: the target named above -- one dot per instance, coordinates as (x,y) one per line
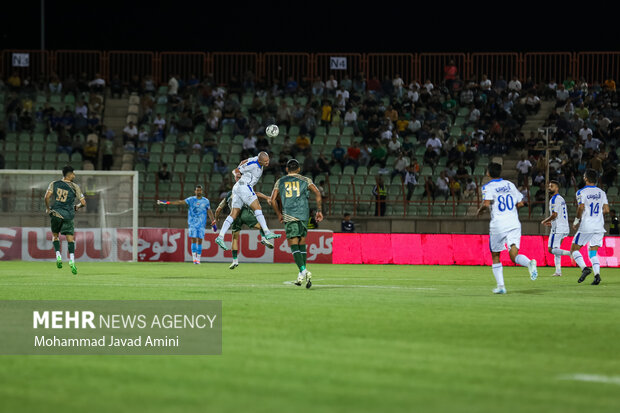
(272,131)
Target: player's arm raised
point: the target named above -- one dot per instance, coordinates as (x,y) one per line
(319,202)
(274,203)
(163,202)
(82,199)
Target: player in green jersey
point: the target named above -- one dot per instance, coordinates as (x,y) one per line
(293,190)
(68,198)
(246,217)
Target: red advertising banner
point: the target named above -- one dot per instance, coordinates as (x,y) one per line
(449,249)
(155,245)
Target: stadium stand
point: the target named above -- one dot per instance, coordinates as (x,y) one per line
(429,141)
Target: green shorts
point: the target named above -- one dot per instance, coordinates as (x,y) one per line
(246,217)
(295,229)
(62,226)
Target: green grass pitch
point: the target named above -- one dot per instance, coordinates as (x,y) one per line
(364,339)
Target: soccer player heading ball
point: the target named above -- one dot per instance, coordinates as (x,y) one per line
(243,194)
(503,198)
(64,192)
(293,191)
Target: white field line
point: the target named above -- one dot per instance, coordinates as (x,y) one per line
(285,284)
(592,378)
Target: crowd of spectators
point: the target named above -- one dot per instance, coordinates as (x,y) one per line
(71,109)
(398,128)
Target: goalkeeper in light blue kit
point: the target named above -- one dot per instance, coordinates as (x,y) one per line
(198,209)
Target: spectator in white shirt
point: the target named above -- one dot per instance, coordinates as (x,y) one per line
(81,109)
(524,167)
(331,85)
(159,122)
(514,84)
(442,185)
(97,84)
(173,86)
(130,132)
(342,98)
(592,143)
(249,144)
(394,145)
(485,83)
(584,132)
(435,143)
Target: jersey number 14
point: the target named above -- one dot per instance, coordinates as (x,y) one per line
(593,209)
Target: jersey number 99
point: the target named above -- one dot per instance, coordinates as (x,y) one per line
(61,195)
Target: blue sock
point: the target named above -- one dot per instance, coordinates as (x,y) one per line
(198,249)
(193,247)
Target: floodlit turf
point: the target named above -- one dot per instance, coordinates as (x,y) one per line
(364,339)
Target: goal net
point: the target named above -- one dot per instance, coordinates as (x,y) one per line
(106,230)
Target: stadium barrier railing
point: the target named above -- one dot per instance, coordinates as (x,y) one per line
(265,67)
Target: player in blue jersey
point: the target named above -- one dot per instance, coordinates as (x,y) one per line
(590,225)
(198,209)
(558,221)
(503,199)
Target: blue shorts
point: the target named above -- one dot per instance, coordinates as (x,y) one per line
(197,232)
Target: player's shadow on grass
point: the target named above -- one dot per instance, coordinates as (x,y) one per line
(530,291)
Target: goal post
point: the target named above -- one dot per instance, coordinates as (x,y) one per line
(107,228)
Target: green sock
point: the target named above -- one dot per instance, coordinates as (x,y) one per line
(234,253)
(262,233)
(302,248)
(71,247)
(297,256)
(57,245)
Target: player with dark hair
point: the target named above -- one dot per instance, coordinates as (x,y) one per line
(590,225)
(293,190)
(198,209)
(65,193)
(503,198)
(558,221)
(246,217)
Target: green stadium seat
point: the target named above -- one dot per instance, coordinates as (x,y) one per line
(293,132)
(155,158)
(362,170)
(169,148)
(156,148)
(348,131)
(12,147)
(23,158)
(76,157)
(167,158)
(348,170)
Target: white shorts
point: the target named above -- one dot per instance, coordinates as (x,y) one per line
(242,195)
(594,238)
(498,242)
(555,239)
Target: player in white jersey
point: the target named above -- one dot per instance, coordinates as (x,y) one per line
(590,225)
(503,198)
(250,171)
(558,221)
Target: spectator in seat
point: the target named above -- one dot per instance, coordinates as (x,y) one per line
(130,132)
(411,180)
(164,174)
(379,155)
(310,166)
(353,155)
(219,165)
(338,154)
(323,163)
(401,164)
(430,157)
(442,185)
(347,225)
(302,144)
(97,85)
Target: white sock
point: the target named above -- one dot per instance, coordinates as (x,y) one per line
(236,261)
(596,265)
(558,263)
(197,257)
(522,260)
(194,256)
(71,256)
(261,220)
(58,255)
(557,251)
(579,259)
(498,272)
(227,223)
